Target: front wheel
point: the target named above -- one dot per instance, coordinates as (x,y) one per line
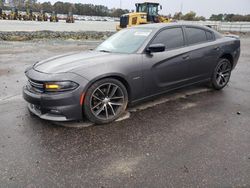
(221,75)
(105,101)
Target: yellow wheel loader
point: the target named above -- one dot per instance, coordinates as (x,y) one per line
(146,12)
(70,18)
(42,16)
(53,17)
(14,15)
(3,15)
(29,16)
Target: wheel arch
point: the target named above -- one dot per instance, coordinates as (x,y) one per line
(118,77)
(229,57)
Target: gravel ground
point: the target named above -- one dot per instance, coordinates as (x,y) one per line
(16,25)
(196,140)
(15,30)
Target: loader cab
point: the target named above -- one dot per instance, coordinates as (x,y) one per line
(53,17)
(70,17)
(70,13)
(151,9)
(15,11)
(29,11)
(54,13)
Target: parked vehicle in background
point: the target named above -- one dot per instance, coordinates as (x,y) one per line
(132,65)
(14,15)
(53,17)
(70,18)
(42,16)
(2,14)
(29,16)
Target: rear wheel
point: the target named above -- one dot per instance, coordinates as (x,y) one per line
(105,101)
(221,75)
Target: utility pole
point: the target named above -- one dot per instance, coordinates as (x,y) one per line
(181,11)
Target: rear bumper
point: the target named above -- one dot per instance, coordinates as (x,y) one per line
(236,57)
(55,107)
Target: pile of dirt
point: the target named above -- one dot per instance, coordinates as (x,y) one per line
(25,35)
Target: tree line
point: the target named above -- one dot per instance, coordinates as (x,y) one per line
(65,7)
(191,16)
(100,10)
(230,17)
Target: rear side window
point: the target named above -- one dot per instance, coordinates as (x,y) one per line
(210,35)
(171,38)
(195,35)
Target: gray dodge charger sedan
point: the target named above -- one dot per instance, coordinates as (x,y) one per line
(131,66)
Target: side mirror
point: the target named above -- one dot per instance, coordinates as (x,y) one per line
(160,7)
(156,48)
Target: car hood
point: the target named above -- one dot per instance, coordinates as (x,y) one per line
(70,62)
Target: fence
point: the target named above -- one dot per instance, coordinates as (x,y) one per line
(224,26)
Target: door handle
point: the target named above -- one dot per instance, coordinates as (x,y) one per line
(185,57)
(217,48)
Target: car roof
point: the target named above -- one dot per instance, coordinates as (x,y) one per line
(158,26)
(163,25)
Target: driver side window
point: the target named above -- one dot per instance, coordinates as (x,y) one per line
(171,38)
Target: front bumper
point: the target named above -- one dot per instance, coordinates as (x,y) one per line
(61,106)
(47,116)
(54,107)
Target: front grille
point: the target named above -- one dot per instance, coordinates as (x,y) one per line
(124,21)
(35,86)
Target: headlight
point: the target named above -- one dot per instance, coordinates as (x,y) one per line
(60,86)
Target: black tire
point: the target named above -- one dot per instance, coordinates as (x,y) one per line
(221,74)
(105,101)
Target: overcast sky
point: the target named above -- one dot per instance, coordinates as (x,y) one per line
(201,7)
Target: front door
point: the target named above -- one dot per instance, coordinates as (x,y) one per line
(168,69)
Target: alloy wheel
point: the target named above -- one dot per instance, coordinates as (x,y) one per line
(223,72)
(107,101)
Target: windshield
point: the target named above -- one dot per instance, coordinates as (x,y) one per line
(125,41)
(153,10)
(142,8)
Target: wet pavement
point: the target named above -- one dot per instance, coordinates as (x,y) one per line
(199,139)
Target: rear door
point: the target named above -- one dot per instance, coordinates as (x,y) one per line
(168,69)
(203,53)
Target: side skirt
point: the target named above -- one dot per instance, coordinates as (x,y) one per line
(134,102)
